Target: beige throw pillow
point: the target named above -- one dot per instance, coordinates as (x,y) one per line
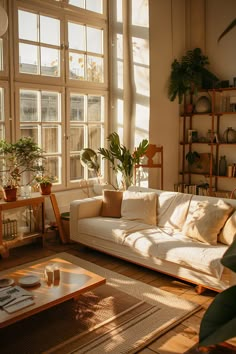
(111,203)
(205,221)
(139,206)
(228,232)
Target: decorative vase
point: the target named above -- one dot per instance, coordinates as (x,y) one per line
(10,194)
(203,105)
(222,166)
(127,181)
(45,188)
(229,136)
(188,108)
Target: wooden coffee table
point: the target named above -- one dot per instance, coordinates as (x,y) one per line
(74,281)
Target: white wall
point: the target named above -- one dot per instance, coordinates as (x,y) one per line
(222,55)
(167,41)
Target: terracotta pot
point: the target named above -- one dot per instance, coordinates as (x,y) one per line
(45,188)
(188,108)
(9,194)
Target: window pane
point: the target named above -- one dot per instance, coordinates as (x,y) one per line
(76,138)
(94,40)
(94,5)
(76,36)
(50,62)
(28,106)
(28,24)
(49,30)
(76,170)
(77,108)
(76,66)
(1,54)
(78,3)
(53,167)
(28,58)
(95,69)
(91,5)
(95,108)
(30,131)
(50,139)
(50,107)
(94,136)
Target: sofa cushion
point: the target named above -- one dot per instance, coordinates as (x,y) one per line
(105,228)
(139,206)
(172,210)
(111,203)
(178,249)
(228,232)
(205,220)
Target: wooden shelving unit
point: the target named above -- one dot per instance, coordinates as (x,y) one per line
(20,221)
(192,121)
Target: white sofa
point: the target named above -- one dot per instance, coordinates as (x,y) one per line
(175,243)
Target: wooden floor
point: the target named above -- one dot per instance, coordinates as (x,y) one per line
(177,340)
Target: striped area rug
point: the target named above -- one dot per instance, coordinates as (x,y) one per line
(122,316)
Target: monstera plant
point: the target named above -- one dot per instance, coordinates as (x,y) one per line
(219,321)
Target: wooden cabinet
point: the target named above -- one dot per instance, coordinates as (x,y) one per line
(204,133)
(20,221)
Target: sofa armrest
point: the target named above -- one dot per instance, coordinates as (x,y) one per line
(83,208)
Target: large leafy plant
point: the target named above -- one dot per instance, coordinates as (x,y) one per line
(121,159)
(17,158)
(189,74)
(219,321)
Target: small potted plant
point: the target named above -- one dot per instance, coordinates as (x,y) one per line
(45,183)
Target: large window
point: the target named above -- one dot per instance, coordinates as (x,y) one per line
(60,81)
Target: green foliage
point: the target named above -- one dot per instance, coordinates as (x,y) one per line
(189,74)
(89,158)
(219,321)
(192,156)
(120,158)
(17,158)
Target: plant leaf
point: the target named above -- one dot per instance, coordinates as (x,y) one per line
(229,257)
(219,321)
(227,30)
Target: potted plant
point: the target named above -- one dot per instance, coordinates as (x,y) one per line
(16,159)
(121,159)
(189,74)
(45,183)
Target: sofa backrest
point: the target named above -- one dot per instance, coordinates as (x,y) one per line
(173,209)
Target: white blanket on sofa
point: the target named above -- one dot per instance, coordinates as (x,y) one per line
(157,243)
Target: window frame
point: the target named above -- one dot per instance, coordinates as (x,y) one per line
(103,123)
(58,89)
(42,79)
